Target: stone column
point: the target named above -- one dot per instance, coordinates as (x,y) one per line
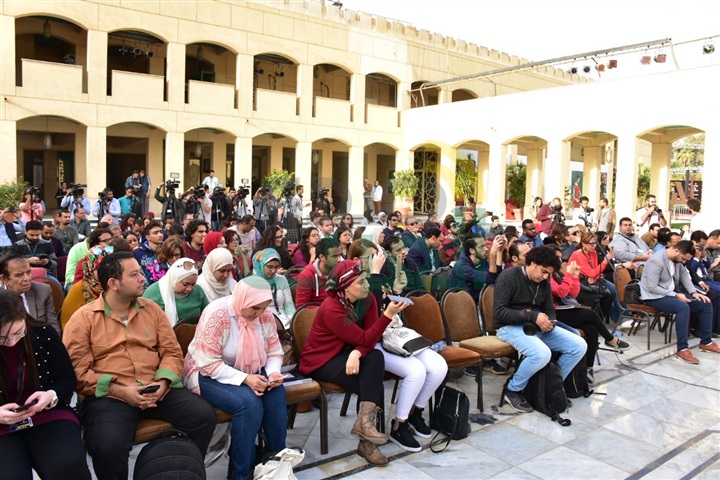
(660,174)
(175,76)
(154,170)
(446,181)
(357,99)
(175,156)
(7,62)
(243,162)
(8,150)
(303,172)
(627,176)
(711,172)
(305,92)
(557,168)
(483,177)
(81,157)
(355,182)
(95,162)
(591,174)
(97,52)
(497,173)
(533,184)
(244,75)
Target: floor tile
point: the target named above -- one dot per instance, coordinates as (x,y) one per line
(457,461)
(551,465)
(650,430)
(603,445)
(497,439)
(542,426)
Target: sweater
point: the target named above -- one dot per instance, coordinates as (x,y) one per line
(191,305)
(310,286)
(519,300)
(468,276)
(331,333)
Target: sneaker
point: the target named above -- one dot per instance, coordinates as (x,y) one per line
(417,423)
(590,376)
(620,346)
(471,371)
(687,356)
(517,401)
(628,324)
(493,366)
(711,347)
(403,438)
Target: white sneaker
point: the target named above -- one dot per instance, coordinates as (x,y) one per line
(627,324)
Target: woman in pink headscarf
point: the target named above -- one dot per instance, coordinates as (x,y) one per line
(234,363)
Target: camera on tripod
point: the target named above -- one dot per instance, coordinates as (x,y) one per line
(172,184)
(77,189)
(289,189)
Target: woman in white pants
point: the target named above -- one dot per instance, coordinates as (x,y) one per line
(421,374)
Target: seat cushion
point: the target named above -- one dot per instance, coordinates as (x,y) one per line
(331,387)
(301,392)
(459,357)
(642,308)
(148,429)
(489,347)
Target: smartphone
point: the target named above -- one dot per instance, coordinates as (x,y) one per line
(149,389)
(42,256)
(22,408)
(396,298)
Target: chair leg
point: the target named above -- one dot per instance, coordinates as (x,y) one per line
(323,424)
(393,400)
(381,417)
(292,411)
(346,402)
(478,379)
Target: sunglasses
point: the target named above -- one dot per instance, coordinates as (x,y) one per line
(102,250)
(412,224)
(453,225)
(187,265)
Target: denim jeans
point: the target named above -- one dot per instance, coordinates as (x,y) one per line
(249,412)
(537,351)
(615,308)
(682,318)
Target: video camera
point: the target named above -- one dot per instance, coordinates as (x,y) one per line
(589,209)
(33,190)
(289,189)
(172,184)
(102,195)
(264,190)
(77,189)
(322,194)
(135,190)
(199,191)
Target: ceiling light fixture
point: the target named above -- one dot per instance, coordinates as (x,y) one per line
(47,138)
(47,32)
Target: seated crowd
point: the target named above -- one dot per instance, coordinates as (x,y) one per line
(128,286)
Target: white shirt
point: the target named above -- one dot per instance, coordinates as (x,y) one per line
(211,182)
(377,193)
(205,215)
(642,228)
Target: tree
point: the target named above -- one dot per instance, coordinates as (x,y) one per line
(465,178)
(516,179)
(643,187)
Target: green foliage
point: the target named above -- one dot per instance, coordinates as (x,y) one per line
(643,187)
(516,179)
(465,178)
(568,201)
(277,180)
(11,194)
(405,184)
(688,152)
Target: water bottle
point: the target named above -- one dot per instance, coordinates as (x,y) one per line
(438,346)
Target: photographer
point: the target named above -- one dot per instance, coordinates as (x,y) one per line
(264,208)
(648,215)
(30,207)
(74,198)
(585,214)
(220,207)
(550,215)
(323,202)
(241,205)
(107,205)
(130,202)
(171,205)
(10,232)
(291,207)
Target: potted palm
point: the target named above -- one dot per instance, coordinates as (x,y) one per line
(516,178)
(405,187)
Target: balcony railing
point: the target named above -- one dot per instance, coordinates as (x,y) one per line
(275,105)
(137,89)
(332,111)
(51,80)
(381,117)
(207,97)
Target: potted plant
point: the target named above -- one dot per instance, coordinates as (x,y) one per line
(516,179)
(465,180)
(405,187)
(277,180)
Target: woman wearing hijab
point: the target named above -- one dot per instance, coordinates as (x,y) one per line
(216,277)
(341,349)
(212,241)
(177,292)
(374,233)
(265,265)
(234,363)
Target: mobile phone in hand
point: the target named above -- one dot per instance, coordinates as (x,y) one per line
(149,389)
(22,408)
(396,298)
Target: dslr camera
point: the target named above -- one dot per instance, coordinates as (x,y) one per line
(77,189)
(289,189)
(33,190)
(199,191)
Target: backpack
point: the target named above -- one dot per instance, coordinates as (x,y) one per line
(170,455)
(440,281)
(546,393)
(576,383)
(450,415)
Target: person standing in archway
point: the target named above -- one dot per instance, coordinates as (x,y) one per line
(377,193)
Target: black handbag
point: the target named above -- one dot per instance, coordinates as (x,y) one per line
(597,289)
(450,416)
(632,292)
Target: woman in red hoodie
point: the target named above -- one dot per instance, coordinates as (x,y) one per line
(341,349)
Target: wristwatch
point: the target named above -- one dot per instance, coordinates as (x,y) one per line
(53,403)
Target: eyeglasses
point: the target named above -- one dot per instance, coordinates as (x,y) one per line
(572,234)
(12,338)
(187,265)
(176,255)
(272,268)
(102,250)
(412,224)
(592,243)
(105,240)
(315,235)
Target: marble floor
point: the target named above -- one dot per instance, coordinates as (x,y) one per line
(652,416)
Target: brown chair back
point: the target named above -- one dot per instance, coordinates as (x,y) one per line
(185,332)
(460,315)
(622,278)
(487,305)
(301,325)
(58,294)
(425,318)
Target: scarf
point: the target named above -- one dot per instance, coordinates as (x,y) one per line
(218,258)
(212,240)
(91,287)
(176,273)
(248,292)
(372,232)
(261,258)
(339,279)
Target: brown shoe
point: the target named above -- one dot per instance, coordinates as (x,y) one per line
(364,426)
(371,453)
(711,347)
(687,356)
